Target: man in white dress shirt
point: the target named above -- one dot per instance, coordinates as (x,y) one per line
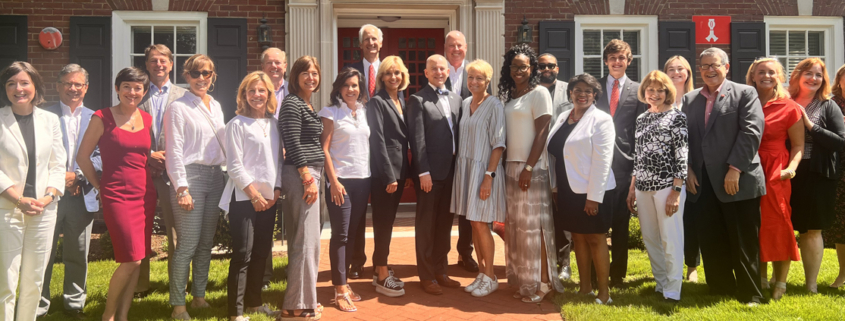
(76,209)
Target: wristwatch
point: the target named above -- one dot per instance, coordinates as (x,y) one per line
(676,188)
(492,174)
(53,197)
(529,168)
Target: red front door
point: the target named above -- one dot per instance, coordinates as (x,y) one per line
(414,46)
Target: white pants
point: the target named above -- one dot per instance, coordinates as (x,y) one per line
(25,244)
(663,237)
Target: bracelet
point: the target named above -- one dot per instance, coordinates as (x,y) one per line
(19,201)
(255,200)
(308,182)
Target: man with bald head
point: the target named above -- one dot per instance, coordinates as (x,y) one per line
(274,63)
(432,123)
(370,38)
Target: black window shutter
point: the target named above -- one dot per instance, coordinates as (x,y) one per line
(90,47)
(227,46)
(12,39)
(748,41)
(677,38)
(558,38)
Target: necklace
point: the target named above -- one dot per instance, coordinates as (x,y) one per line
(522,92)
(572,117)
(131,121)
(263,127)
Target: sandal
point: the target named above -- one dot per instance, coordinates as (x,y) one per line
(778,290)
(352,295)
(344,297)
(545,288)
(305,315)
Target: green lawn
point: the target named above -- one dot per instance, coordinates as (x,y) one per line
(636,301)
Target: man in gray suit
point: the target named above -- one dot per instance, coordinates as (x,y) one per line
(725,180)
(159,63)
(76,209)
(432,127)
(547,65)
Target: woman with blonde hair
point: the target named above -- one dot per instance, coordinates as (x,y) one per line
(783,123)
(388,165)
(252,160)
(836,233)
(678,69)
(814,184)
(477,192)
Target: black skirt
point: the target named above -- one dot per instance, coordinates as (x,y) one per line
(813,200)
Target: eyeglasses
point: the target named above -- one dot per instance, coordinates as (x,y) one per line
(74,85)
(579,92)
(204,73)
(708,66)
(546,66)
(522,68)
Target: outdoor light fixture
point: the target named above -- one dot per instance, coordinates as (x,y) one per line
(265,38)
(523,33)
(389,18)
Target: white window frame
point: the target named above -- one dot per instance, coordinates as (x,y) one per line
(123,21)
(832,26)
(648,37)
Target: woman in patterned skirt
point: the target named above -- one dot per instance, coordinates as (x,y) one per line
(836,233)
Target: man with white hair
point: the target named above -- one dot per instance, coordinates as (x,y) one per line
(274,63)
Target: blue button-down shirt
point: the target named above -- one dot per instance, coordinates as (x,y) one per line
(158,103)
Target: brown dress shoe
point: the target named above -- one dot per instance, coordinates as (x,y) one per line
(444,280)
(431,287)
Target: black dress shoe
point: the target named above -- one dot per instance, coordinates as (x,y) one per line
(468,263)
(616,283)
(355,272)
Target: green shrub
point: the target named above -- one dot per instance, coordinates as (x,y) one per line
(222,239)
(635,235)
(59,244)
(106,246)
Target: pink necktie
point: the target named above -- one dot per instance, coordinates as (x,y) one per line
(614,97)
(371,84)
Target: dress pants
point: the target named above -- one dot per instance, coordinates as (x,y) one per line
(729,235)
(252,234)
(25,245)
(302,227)
(384,214)
(357,252)
(268,267)
(163,190)
(563,239)
(663,237)
(692,256)
(74,221)
(345,220)
(433,226)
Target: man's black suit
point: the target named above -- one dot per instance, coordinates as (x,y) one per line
(429,136)
(625,120)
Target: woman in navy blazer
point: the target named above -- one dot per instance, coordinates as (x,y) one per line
(585,135)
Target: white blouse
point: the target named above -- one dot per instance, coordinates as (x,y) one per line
(190,138)
(520,114)
(252,157)
(350,145)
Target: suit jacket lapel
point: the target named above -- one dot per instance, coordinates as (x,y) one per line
(384,95)
(9,119)
(64,132)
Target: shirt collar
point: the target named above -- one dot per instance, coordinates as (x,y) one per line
(374,63)
(435,88)
(345,107)
(610,80)
(706,90)
(164,89)
(460,68)
(282,87)
(66,109)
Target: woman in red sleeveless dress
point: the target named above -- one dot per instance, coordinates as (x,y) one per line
(126,189)
(783,123)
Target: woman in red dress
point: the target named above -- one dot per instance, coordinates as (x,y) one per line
(126,189)
(783,122)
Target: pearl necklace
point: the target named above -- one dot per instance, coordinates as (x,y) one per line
(263,127)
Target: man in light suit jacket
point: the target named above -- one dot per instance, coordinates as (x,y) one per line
(547,65)
(76,209)
(432,124)
(159,63)
(725,179)
(619,99)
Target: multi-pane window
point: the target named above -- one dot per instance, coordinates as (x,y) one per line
(594,41)
(180,39)
(793,45)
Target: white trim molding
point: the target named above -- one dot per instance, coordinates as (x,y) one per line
(834,46)
(617,6)
(648,37)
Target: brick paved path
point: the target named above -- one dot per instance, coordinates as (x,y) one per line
(454,304)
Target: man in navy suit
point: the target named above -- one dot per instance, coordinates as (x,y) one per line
(76,209)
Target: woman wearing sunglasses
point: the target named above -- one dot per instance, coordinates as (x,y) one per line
(193,133)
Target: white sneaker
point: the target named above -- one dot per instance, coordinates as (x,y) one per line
(474,284)
(487,286)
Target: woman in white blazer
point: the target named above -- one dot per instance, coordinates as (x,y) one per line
(32,177)
(580,147)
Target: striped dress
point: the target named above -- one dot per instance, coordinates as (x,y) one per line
(480,133)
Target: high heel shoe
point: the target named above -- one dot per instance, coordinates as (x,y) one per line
(545,288)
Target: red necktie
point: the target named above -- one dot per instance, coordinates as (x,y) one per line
(371,84)
(614,97)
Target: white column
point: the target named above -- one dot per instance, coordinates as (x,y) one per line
(489,35)
(303,36)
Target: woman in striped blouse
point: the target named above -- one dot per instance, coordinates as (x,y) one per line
(301,128)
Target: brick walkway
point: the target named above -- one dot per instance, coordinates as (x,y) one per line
(454,304)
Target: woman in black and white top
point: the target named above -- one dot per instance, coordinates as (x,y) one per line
(301,129)
(657,182)
(252,160)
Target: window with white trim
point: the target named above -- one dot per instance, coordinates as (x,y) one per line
(593,33)
(792,39)
(180,39)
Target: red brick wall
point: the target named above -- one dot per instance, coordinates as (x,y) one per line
(57,13)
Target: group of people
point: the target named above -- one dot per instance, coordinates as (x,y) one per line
(707,170)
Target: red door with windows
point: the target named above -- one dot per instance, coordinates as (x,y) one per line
(412,45)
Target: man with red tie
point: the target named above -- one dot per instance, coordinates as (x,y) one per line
(371,39)
(619,99)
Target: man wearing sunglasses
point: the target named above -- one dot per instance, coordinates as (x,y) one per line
(548,68)
(159,63)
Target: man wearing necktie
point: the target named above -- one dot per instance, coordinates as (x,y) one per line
(619,99)
(371,38)
(432,118)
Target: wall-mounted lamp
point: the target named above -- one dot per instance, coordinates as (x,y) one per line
(265,38)
(523,32)
(389,18)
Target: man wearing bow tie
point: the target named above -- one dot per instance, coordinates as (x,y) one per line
(432,122)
